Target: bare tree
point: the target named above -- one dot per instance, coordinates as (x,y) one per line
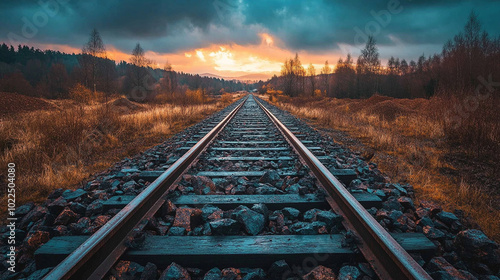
(293,76)
(287,77)
(368,67)
(169,81)
(138,57)
(345,79)
(325,77)
(311,73)
(370,56)
(300,76)
(142,83)
(404,67)
(92,52)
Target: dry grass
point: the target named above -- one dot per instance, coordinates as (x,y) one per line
(411,143)
(60,148)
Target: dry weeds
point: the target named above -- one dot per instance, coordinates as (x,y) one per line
(411,142)
(60,148)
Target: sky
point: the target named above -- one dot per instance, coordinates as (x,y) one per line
(232,38)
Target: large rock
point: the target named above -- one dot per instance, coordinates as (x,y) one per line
(239,189)
(78,208)
(433,207)
(225,227)
(291,213)
(255,274)
(270,177)
(279,270)
(262,209)
(266,190)
(201,184)
(65,217)
(329,218)
(56,206)
(392,204)
(176,231)
(213,274)
(474,245)
(440,269)
(34,215)
(252,221)
(130,186)
(126,270)
(310,215)
(188,218)
(231,274)
(94,208)
(36,239)
(70,195)
(447,217)
(150,272)
(305,228)
(168,208)
(406,202)
(208,210)
(433,233)
(349,273)
(175,272)
(80,226)
(320,273)
(24,209)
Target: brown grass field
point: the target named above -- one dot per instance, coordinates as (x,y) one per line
(66,142)
(412,141)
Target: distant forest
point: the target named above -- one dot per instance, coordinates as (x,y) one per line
(469,62)
(52,74)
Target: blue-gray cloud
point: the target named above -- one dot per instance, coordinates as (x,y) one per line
(169,26)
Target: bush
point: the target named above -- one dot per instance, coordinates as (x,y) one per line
(81,94)
(196,96)
(226,98)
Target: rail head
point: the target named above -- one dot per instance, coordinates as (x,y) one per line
(386,256)
(93,258)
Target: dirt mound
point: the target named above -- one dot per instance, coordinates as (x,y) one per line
(389,109)
(376,98)
(13,103)
(124,102)
(124,105)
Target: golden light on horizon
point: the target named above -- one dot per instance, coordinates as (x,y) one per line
(227,60)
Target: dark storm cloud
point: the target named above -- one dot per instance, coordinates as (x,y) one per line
(322,24)
(167,26)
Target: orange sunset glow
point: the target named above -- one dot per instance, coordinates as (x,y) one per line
(226,60)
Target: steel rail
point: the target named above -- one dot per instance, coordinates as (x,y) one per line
(388,259)
(99,252)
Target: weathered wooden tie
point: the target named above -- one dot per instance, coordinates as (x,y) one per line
(273,202)
(229,251)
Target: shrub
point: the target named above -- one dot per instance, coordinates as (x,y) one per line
(226,98)
(196,96)
(81,94)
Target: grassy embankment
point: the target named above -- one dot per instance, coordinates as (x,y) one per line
(451,158)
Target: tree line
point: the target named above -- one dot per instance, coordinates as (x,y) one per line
(52,74)
(469,59)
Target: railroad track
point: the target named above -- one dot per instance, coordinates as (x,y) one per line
(250,190)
